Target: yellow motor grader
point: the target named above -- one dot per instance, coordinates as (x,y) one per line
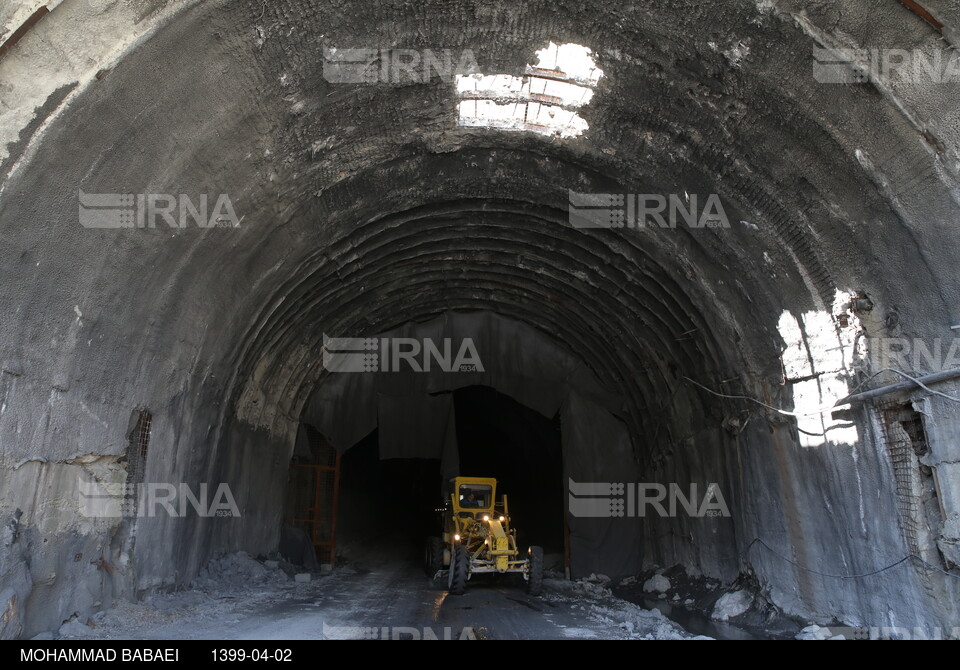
(477,538)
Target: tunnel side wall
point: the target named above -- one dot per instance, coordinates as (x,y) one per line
(831,509)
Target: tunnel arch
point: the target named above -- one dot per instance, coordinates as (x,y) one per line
(367,207)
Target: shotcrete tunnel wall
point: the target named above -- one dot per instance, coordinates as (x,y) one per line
(363,208)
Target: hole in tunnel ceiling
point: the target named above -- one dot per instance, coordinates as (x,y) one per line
(544,100)
(821,348)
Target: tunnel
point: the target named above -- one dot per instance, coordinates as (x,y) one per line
(387,506)
(689,264)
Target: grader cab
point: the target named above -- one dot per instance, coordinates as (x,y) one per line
(478,538)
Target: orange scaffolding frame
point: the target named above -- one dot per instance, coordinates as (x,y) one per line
(315,518)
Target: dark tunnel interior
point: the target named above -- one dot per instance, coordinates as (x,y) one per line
(501,438)
(388,507)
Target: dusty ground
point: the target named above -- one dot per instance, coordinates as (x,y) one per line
(241,599)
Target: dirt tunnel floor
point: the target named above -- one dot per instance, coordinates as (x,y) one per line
(388,601)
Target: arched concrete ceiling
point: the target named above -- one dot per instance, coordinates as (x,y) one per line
(363,207)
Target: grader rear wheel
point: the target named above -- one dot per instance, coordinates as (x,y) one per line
(535,577)
(433,556)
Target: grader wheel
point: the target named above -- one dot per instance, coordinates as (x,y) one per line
(433,556)
(535,578)
(459,571)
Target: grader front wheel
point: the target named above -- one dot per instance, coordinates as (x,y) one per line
(459,570)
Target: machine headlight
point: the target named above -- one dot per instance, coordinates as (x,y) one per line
(456,538)
(502,519)
(486,517)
